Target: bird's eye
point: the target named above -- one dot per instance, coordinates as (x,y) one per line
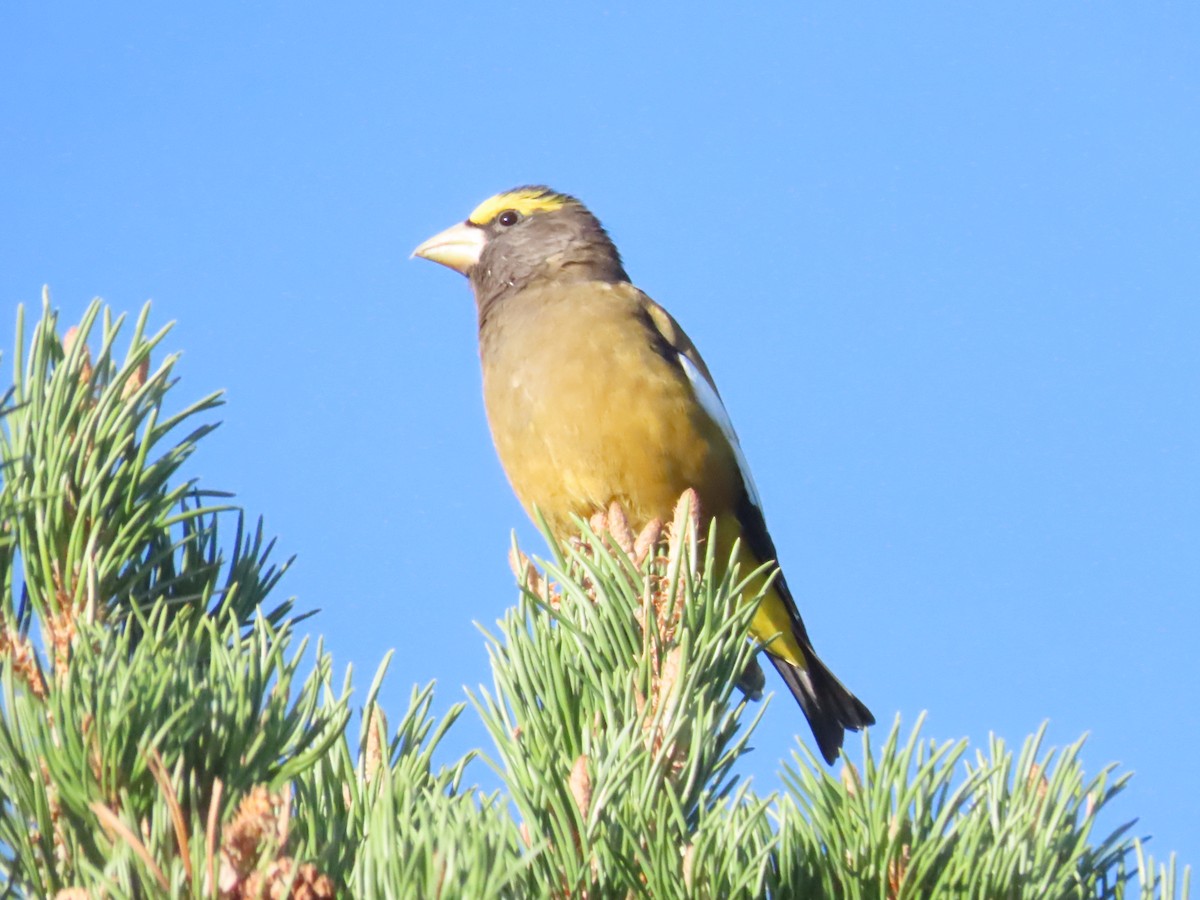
(508,218)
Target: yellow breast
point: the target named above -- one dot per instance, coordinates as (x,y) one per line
(585,410)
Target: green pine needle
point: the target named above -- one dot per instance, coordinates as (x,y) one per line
(163,731)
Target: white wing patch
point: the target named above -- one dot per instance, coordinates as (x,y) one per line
(711,401)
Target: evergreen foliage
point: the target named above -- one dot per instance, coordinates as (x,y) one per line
(163,731)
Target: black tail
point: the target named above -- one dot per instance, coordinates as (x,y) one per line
(829,707)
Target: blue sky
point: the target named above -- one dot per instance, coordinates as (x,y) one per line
(943,263)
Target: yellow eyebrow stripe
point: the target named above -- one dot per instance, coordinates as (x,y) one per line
(523,200)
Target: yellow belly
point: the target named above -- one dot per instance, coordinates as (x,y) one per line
(604,416)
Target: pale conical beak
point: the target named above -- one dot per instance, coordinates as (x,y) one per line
(457,248)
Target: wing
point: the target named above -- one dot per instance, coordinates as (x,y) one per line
(829,707)
(688,358)
(748,509)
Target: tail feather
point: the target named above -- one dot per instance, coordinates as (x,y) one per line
(829,707)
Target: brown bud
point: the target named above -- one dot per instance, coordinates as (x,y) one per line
(85,364)
(850,780)
(518,562)
(373,755)
(645,542)
(580,785)
(896,870)
(687,512)
(136,379)
(619,528)
(689,854)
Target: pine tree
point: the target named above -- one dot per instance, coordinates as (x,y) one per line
(164,733)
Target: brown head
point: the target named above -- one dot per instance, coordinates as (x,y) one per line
(520,237)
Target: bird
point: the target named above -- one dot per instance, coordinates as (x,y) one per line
(595,394)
